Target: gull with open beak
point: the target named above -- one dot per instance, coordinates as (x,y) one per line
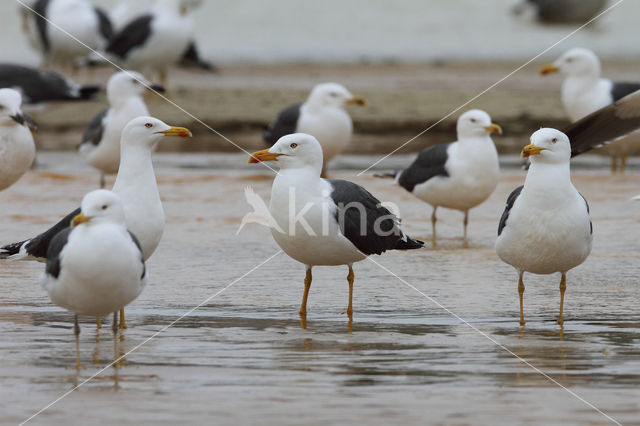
(322,115)
(545,227)
(458,175)
(135,185)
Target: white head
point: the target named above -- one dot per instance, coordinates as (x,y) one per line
(10,103)
(576,62)
(548,146)
(146,131)
(100,206)
(332,95)
(125,84)
(476,123)
(297,150)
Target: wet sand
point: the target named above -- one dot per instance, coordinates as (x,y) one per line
(242,357)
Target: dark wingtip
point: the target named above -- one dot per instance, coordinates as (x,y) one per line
(88,92)
(386,175)
(410,244)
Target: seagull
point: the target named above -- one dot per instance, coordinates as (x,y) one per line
(335,222)
(47,22)
(37,86)
(545,227)
(95,266)
(17,149)
(155,40)
(458,175)
(101,140)
(135,184)
(322,115)
(584,91)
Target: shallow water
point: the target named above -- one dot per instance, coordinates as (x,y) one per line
(242,356)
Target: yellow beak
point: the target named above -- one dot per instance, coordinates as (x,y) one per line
(78,219)
(177,131)
(494,128)
(548,69)
(531,149)
(264,155)
(357,100)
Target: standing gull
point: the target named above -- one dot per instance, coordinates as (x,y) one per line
(17,149)
(584,91)
(95,266)
(47,23)
(135,184)
(457,175)
(545,227)
(322,115)
(101,140)
(340,223)
(153,41)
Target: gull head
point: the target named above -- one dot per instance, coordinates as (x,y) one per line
(548,146)
(146,131)
(333,95)
(575,62)
(10,103)
(125,84)
(100,206)
(292,151)
(476,123)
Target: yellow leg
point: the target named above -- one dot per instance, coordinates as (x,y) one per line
(614,165)
(98,323)
(465,221)
(76,332)
(623,163)
(123,323)
(521,292)
(433,225)
(563,287)
(305,295)
(350,277)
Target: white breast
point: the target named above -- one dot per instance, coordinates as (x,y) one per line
(100,271)
(17,152)
(332,127)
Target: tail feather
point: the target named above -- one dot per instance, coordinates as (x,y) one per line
(408,244)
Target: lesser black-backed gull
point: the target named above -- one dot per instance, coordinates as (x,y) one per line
(95,266)
(584,91)
(38,86)
(17,149)
(101,140)
(458,175)
(135,184)
(322,115)
(335,222)
(545,227)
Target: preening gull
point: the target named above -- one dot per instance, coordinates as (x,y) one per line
(584,91)
(48,21)
(95,266)
(545,227)
(101,140)
(38,86)
(153,41)
(322,115)
(458,175)
(135,184)
(336,221)
(17,149)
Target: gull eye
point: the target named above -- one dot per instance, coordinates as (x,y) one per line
(554,140)
(473,120)
(293,145)
(333,94)
(148,125)
(134,81)
(104,207)
(569,59)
